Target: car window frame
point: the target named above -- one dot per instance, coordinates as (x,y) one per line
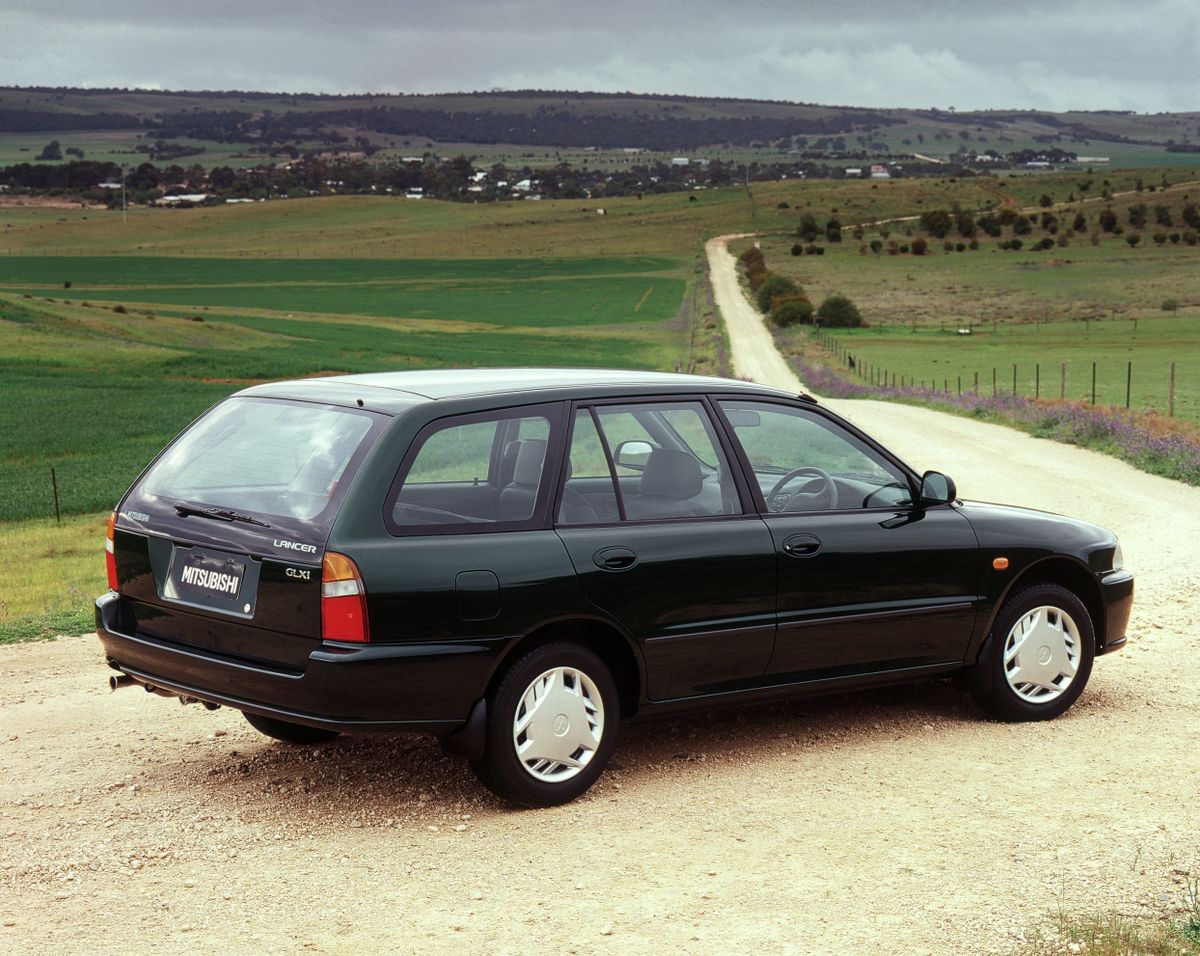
(805,408)
(745,502)
(552,464)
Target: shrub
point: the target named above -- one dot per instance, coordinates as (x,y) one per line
(1160,238)
(66,283)
(751,256)
(775,287)
(919,247)
(1016,244)
(960,247)
(795,310)
(876,246)
(797,249)
(1170,305)
(1108,220)
(808,229)
(783,205)
(1133,239)
(1021,226)
(1190,237)
(904,247)
(973,244)
(1005,244)
(936,222)
(947,246)
(1063,241)
(1079,223)
(814,250)
(1174,237)
(120,309)
(1043,244)
(838,312)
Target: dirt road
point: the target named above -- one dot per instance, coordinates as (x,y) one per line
(894,821)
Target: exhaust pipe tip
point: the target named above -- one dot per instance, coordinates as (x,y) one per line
(118,681)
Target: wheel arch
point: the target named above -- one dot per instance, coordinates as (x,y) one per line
(1067,573)
(602,638)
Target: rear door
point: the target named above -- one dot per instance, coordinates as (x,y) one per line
(653,518)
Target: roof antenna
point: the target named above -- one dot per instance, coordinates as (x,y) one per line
(360,402)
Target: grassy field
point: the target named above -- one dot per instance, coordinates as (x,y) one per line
(1087,302)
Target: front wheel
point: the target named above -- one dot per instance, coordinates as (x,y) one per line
(551,725)
(289,733)
(1043,645)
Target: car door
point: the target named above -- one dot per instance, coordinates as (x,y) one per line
(868,581)
(665,541)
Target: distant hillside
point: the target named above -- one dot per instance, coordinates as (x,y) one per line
(566,119)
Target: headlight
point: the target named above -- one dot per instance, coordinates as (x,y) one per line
(1118,561)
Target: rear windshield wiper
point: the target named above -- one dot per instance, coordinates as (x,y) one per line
(218,514)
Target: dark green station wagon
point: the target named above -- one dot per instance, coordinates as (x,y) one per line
(516,560)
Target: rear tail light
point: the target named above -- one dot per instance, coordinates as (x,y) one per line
(110,557)
(343,600)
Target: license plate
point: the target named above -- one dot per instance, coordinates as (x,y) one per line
(215,581)
(202,574)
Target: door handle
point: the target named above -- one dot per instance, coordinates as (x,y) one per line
(801,545)
(614,559)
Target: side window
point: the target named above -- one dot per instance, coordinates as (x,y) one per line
(667,459)
(472,472)
(804,462)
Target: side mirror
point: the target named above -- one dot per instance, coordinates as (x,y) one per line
(633,454)
(937,489)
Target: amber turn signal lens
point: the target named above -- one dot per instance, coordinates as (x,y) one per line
(1000,564)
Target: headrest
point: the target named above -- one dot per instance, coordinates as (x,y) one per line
(673,475)
(531,454)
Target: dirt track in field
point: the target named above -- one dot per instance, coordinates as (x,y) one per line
(894,821)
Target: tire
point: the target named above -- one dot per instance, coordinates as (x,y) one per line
(539,756)
(288,732)
(1043,645)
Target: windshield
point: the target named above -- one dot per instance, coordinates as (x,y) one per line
(264,456)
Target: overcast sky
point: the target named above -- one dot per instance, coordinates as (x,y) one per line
(1069,54)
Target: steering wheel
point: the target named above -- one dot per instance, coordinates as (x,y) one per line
(823,499)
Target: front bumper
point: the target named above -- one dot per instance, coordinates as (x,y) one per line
(1116,592)
(420,688)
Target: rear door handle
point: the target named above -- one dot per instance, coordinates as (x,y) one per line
(614,559)
(801,545)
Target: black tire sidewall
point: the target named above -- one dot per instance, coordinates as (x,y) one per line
(500,770)
(1002,701)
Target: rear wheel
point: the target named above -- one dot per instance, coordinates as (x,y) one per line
(551,725)
(1043,645)
(288,732)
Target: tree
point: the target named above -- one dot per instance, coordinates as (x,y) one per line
(775,287)
(1191,216)
(937,223)
(1021,226)
(833,230)
(1045,201)
(838,312)
(51,152)
(1138,215)
(792,310)
(1108,220)
(1079,223)
(919,246)
(808,230)
(876,246)
(1162,216)
(1133,239)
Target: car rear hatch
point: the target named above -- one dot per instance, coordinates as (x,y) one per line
(218,546)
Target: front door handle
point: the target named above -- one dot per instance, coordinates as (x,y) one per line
(801,545)
(614,559)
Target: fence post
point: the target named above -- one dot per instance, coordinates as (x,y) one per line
(994,391)
(54,486)
(1093,383)
(976,383)
(1014,379)
(1128,383)
(960,385)
(1062,380)
(1037,380)
(1171,393)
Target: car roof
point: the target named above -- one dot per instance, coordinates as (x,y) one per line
(391,391)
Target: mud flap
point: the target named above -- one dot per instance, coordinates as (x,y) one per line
(471,738)
(976,680)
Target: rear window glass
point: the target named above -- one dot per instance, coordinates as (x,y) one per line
(264,456)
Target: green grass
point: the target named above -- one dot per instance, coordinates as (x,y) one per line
(1110,934)
(54,571)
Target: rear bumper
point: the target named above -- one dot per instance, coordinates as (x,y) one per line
(389,688)
(1116,588)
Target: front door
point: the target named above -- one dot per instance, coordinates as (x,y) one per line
(868,581)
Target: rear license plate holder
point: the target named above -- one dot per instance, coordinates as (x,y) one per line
(213,580)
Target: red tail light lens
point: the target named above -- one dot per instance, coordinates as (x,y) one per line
(110,557)
(343,601)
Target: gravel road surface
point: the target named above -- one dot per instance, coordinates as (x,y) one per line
(895,821)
